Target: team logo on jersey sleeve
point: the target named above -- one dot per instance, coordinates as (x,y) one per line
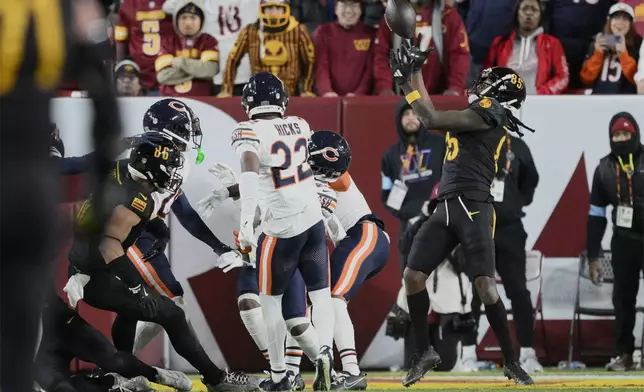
(485,103)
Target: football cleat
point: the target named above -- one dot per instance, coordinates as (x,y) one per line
(323,369)
(344,381)
(174,379)
(429,360)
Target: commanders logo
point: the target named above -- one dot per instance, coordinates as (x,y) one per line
(485,103)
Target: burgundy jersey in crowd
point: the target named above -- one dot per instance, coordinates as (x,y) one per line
(203,48)
(143,24)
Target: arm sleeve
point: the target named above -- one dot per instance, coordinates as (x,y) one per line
(384,79)
(560,75)
(592,68)
(307,57)
(459,53)
(192,222)
(164,60)
(76,165)
(322,69)
(629,66)
(122,30)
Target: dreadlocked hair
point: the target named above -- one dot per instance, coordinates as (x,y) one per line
(514,124)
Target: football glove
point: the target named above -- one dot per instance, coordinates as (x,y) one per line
(209,204)
(414,54)
(75,288)
(231,260)
(224,173)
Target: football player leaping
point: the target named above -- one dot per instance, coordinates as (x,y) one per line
(277,177)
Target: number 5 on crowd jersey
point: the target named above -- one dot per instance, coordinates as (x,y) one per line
(303,172)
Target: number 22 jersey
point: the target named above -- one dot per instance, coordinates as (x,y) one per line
(288,195)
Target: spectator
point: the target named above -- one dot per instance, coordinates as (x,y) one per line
(343,52)
(484,20)
(619,182)
(276,43)
(612,65)
(128,83)
(189,58)
(138,32)
(410,168)
(638,7)
(373,11)
(536,56)
(639,76)
(513,189)
(446,69)
(224,22)
(575,23)
(312,13)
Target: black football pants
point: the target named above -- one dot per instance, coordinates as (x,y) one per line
(28,199)
(628,260)
(510,242)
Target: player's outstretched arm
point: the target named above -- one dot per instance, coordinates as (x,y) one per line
(192,222)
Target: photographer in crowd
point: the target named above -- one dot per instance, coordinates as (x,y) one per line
(513,189)
(619,182)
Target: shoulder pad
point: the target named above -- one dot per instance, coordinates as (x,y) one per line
(491,110)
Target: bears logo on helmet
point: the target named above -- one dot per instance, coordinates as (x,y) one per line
(176,119)
(329,154)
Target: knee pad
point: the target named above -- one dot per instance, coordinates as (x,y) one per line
(297,325)
(486,288)
(248,301)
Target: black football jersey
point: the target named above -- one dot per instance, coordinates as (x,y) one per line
(471,158)
(122,190)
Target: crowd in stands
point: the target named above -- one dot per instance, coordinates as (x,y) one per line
(333,48)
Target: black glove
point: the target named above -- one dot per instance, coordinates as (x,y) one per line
(417,57)
(157,248)
(398,323)
(400,66)
(147,301)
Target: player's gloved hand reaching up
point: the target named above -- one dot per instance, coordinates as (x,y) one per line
(208,204)
(407,59)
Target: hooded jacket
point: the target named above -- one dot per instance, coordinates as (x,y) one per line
(604,188)
(420,171)
(520,177)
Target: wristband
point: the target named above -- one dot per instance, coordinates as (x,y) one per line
(412,97)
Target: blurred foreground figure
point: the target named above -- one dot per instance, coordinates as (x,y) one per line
(42,41)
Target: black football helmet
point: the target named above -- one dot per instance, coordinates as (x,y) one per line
(263,94)
(158,160)
(329,154)
(502,84)
(175,119)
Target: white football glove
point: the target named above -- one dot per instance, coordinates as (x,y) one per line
(334,229)
(75,288)
(208,204)
(231,260)
(224,173)
(246,237)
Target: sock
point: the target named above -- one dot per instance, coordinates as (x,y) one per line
(498,319)
(145,332)
(308,341)
(293,353)
(469,352)
(344,337)
(253,320)
(418,309)
(322,315)
(275,334)
(527,352)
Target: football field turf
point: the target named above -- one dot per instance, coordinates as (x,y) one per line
(553,380)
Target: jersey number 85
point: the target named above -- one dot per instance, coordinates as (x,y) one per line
(302,174)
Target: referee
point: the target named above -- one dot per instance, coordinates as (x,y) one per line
(42,41)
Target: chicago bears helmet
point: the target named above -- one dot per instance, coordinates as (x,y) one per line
(329,154)
(502,84)
(158,160)
(263,94)
(175,119)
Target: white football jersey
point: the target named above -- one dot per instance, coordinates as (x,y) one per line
(349,204)
(288,195)
(163,201)
(226,19)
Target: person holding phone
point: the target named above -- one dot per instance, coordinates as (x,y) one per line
(612,63)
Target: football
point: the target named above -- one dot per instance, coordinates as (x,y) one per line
(401,18)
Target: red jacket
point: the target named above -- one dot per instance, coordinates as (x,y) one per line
(450,75)
(552,71)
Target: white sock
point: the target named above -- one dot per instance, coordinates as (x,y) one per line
(322,315)
(145,332)
(253,320)
(469,352)
(527,352)
(344,337)
(293,354)
(308,340)
(275,333)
